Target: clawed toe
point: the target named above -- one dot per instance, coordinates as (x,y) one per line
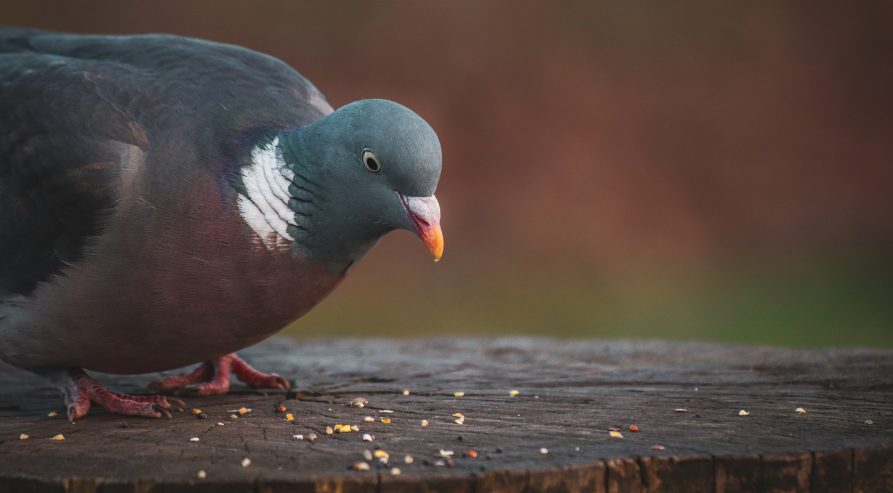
(161,411)
(176,402)
(281,383)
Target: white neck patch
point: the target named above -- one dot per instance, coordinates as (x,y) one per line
(264,206)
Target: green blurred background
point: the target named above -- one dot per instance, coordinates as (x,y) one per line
(687,170)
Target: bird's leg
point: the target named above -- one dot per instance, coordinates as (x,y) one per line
(200,381)
(255,378)
(204,373)
(81,390)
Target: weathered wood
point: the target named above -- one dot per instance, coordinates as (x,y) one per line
(571,394)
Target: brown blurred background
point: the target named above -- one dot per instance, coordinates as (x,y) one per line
(687,170)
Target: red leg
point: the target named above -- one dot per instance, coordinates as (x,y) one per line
(203,373)
(82,389)
(255,378)
(199,382)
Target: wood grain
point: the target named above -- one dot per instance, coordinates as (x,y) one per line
(571,394)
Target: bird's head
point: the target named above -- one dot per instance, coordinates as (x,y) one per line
(366,169)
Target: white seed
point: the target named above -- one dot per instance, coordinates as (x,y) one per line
(544,451)
(367,455)
(395,471)
(193,439)
(424,422)
(246,462)
(369,419)
(367,437)
(387,411)
(361,466)
(23,437)
(408,459)
(446,453)
(800,410)
(743,413)
(299,437)
(202,475)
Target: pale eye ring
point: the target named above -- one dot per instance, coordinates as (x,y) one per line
(370,161)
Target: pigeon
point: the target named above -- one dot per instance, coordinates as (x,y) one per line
(167,201)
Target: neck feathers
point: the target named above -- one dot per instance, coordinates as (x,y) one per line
(263,203)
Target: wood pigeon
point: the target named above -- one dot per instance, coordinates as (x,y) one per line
(166,201)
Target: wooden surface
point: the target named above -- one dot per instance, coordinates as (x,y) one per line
(571,394)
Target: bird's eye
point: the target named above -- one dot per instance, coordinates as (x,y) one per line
(371,162)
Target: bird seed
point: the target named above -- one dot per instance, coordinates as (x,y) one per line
(615,434)
(354,428)
(361,466)
(424,422)
(544,451)
(53,414)
(58,437)
(446,453)
(367,455)
(369,419)
(299,437)
(658,447)
(459,394)
(385,420)
(408,459)
(329,430)
(405,392)
(513,392)
(368,438)
(289,417)
(743,413)
(23,437)
(680,410)
(358,402)
(193,439)
(800,410)
(246,462)
(472,454)
(633,428)
(395,471)
(202,475)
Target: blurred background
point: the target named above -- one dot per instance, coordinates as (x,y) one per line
(688,170)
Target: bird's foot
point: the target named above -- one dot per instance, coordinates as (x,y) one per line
(82,390)
(212,377)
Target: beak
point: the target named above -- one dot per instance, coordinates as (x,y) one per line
(424,213)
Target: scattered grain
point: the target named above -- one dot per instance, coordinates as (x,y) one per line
(53,414)
(329,430)
(369,419)
(202,475)
(196,411)
(194,439)
(680,410)
(312,436)
(408,459)
(367,455)
(446,453)
(387,411)
(361,466)
(395,471)
(246,462)
(244,410)
(424,422)
(460,421)
(358,402)
(354,428)
(459,394)
(633,428)
(743,413)
(219,424)
(405,392)
(385,420)
(615,434)
(368,438)
(58,437)
(299,437)
(289,417)
(513,392)
(658,447)
(544,451)
(233,416)
(869,422)
(23,437)
(800,410)
(472,454)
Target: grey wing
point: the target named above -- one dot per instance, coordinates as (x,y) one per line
(61,149)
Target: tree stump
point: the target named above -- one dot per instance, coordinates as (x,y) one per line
(554,434)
